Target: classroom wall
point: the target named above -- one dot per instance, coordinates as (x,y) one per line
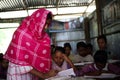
(113,38)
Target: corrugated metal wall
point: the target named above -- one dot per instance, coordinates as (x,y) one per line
(72,37)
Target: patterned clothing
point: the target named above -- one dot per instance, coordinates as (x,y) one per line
(30,46)
(18,72)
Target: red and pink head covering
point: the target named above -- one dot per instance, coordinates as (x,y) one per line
(30,44)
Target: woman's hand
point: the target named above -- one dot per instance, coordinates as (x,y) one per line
(52,73)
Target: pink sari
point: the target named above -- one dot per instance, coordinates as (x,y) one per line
(30,45)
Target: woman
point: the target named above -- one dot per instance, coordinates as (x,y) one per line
(29,50)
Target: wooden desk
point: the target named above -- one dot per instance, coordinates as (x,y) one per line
(82,64)
(83,78)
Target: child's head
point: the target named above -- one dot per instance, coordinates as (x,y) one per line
(3,62)
(102,42)
(81,49)
(89,48)
(52,48)
(1,57)
(100,59)
(67,48)
(58,55)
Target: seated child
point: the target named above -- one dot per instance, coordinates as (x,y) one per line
(83,55)
(99,66)
(3,67)
(90,49)
(68,51)
(60,60)
(102,44)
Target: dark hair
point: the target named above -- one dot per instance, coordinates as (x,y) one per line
(1,56)
(67,45)
(59,48)
(102,37)
(49,16)
(81,44)
(90,46)
(100,56)
(52,48)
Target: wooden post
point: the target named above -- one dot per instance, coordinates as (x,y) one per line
(87,30)
(99,16)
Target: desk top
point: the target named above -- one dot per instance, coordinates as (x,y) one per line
(101,77)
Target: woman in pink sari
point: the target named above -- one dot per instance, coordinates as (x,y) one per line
(29,51)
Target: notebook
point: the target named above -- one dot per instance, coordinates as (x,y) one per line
(63,75)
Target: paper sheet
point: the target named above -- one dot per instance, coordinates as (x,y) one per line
(63,75)
(67,72)
(82,63)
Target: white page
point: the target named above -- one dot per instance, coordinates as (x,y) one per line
(67,72)
(82,63)
(78,64)
(62,75)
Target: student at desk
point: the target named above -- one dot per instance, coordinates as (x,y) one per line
(60,60)
(89,48)
(68,51)
(3,67)
(102,44)
(82,55)
(99,66)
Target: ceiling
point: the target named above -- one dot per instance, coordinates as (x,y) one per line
(70,7)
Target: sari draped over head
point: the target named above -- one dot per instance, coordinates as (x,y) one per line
(30,44)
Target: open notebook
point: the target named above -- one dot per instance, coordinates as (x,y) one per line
(62,75)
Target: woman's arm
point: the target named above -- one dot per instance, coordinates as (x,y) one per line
(44,75)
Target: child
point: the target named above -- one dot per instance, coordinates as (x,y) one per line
(83,56)
(60,60)
(90,49)
(68,51)
(3,67)
(67,48)
(29,51)
(102,44)
(99,66)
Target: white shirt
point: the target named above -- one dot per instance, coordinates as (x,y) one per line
(78,58)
